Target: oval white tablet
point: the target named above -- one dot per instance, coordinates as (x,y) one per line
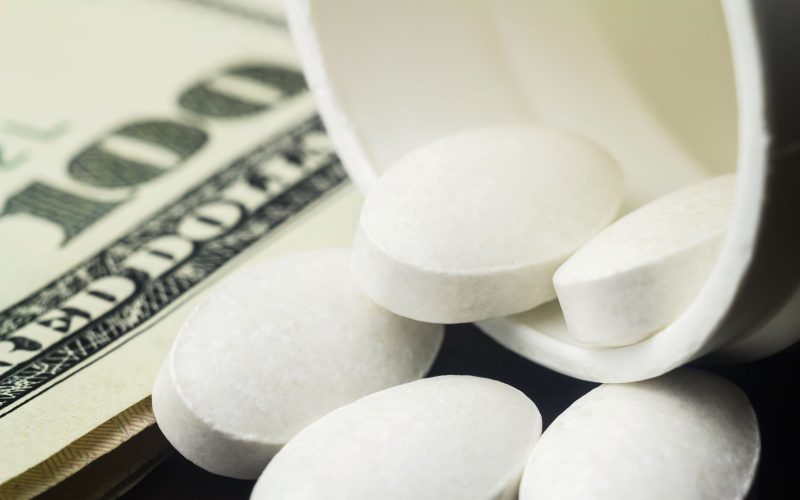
(271,349)
(442,438)
(688,435)
(474,225)
(643,271)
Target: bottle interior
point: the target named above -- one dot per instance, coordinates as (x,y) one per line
(652,82)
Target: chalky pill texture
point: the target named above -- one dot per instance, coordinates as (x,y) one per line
(441,438)
(474,225)
(643,271)
(271,349)
(687,434)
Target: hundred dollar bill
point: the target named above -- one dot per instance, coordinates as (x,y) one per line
(147,148)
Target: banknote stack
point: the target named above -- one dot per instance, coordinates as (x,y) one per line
(147,148)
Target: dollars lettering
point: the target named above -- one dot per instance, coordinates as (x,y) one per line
(138,276)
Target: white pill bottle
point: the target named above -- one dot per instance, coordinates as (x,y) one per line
(677,91)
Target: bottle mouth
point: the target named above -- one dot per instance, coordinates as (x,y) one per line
(663,88)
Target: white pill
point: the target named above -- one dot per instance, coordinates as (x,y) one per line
(688,435)
(474,225)
(643,271)
(271,349)
(442,438)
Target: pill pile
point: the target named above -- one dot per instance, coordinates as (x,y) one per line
(305,371)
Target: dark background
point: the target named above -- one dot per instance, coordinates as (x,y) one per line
(771,385)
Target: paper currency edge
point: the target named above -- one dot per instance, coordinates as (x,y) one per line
(81,452)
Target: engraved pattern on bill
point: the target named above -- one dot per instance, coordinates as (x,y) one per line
(134,279)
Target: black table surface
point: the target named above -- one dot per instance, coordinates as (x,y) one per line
(771,384)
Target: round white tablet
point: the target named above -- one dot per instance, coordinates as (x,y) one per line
(643,271)
(474,225)
(688,435)
(442,438)
(271,349)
